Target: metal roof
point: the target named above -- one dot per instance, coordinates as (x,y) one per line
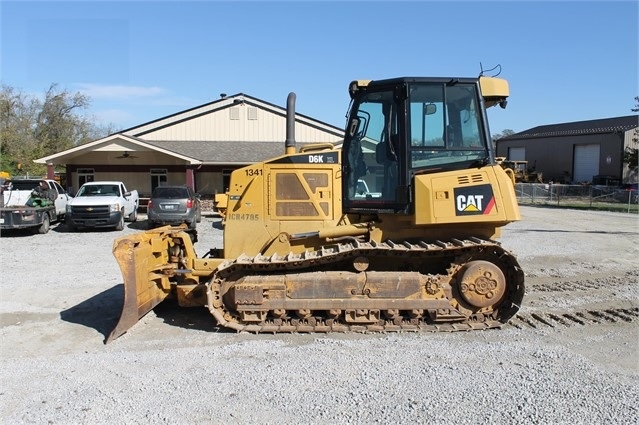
(599,126)
(213,152)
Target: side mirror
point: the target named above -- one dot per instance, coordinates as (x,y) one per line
(430,109)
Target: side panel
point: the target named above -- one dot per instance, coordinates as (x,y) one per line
(292,194)
(478,195)
(244,222)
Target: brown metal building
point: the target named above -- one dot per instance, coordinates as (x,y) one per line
(199,147)
(576,152)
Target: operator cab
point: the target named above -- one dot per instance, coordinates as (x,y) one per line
(401,127)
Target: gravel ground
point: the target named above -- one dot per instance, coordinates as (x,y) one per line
(61,296)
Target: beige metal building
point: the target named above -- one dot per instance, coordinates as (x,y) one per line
(576,152)
(199,147)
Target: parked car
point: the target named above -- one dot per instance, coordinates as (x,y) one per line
(174,205)
(628,192)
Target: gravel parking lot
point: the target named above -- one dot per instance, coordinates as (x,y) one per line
(571,356)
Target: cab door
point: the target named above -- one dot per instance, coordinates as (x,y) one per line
(61,198)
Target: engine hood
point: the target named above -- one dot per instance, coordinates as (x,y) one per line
(95,200)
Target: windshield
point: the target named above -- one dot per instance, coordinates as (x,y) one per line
(170,192)
(98,190)
(445,125)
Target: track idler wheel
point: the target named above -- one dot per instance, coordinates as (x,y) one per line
(482,284)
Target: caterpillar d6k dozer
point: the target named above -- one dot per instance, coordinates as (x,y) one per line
(309,248)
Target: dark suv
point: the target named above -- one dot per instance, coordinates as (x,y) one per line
(174,205)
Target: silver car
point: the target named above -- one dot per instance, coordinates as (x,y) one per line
(174,205)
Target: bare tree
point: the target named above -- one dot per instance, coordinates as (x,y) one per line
(630,155)
(504,133)
(58,127)
(507,132)
(18,115)
(32,128)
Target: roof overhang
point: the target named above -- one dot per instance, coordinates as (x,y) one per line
(113,143)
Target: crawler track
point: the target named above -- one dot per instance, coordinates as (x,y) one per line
(439,263)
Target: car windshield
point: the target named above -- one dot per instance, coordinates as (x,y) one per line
(170,192)
(98,190)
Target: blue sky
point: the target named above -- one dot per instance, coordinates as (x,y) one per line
(142,60)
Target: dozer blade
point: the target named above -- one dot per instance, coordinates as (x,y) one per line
(144,287)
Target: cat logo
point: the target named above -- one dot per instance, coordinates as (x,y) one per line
(474,200)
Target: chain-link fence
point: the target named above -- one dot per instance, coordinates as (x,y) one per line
(601,197)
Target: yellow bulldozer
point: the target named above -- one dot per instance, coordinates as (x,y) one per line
(305,251)
(522,172)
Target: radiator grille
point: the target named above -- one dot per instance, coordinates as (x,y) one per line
(90,212)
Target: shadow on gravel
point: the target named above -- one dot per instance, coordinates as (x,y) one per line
(17,233)
(100,312)
(136,225)
(198,318)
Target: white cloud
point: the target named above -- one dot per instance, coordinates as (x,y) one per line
(97,91)
(117,117)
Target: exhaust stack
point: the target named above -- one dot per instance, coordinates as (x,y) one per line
(290,124)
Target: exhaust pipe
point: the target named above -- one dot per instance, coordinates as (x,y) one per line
(290,124)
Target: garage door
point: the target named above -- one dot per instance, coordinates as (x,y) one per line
(517,154)
(586,163)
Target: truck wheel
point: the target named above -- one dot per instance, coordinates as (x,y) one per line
(120,225)
(133,217)
(44,227)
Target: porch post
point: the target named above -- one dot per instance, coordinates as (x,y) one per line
(50,171)
(190,178)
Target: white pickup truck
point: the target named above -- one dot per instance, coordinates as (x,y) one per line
(364,192)
(32,204)
(102,204)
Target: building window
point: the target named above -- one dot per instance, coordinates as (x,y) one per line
(234,113)
(158,177)
(251,113)
(85,175)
